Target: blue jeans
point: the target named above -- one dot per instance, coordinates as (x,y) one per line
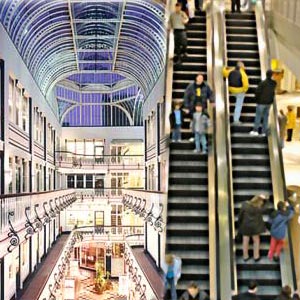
(176,134)
(170,282)
(200,139)
(262,112)
(238,106)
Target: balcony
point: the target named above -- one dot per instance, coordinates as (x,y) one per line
(69,160)
(24,214)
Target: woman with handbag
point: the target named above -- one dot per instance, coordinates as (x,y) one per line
(251,225)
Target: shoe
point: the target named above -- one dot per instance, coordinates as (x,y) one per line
(178,62)
(246,259)
(173,141)
(204,152)
(263,134)
(196,151)
(257,259)
(276,258)
(254,133)
(238,123)
(179,141)
(191,139)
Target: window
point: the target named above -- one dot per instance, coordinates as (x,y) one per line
(18,106)
(71,181)
(116,216)
(25,114)
(18,175)
(79,181)
(89,181)
(11,99)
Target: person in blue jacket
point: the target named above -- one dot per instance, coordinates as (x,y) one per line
(172,271)
(279,221)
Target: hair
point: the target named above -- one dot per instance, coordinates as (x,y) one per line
(296,296)
(280,205)
(169,259)
(177,104)
(240,64)
(269,74)
(258,201)
(281,111)
(198,104)
(290,108)
(286,290)
(192,285)
(252,284)
(178,4)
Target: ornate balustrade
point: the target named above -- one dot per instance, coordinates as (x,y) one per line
(151,206)
(24,214)
(139,286)
(65,159)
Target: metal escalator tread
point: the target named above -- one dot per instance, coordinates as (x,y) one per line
(249,152)
(187,222)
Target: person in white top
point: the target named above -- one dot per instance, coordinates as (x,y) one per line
(177,22)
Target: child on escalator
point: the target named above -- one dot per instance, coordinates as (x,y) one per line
(200,125)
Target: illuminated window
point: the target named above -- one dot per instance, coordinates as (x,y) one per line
(11,99)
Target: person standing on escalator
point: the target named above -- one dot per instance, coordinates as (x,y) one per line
(264,95)
(279,222)
(251,225)
(177,22)
(197,91)
(238,86)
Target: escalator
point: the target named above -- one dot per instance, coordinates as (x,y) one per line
(250,154)
(187,223)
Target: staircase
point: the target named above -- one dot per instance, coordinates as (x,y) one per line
(250,154)
(192,65)
(187,227)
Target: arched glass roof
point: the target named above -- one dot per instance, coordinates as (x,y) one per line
(90,42)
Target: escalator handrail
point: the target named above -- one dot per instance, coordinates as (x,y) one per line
(213,234)
(229,161)
(287,263)
(226,272)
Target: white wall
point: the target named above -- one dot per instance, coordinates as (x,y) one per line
(15,66)
(107,133)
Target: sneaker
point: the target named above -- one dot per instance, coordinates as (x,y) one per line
(179,141)
(263,134)
(196,151)
(185,55)
(173,141)
(276,258)
(238,123)
(178,62)
(192,139)
(254,133)
(204,152)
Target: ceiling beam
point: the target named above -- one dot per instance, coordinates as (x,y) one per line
(73,32)
(118,34)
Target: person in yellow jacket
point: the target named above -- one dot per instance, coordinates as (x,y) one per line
(291,123)
(238,86)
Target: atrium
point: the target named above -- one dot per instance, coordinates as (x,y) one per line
(130,153)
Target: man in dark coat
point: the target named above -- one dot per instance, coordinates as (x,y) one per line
(250,294)
(197,91)
(265,94)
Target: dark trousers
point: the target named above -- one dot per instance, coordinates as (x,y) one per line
(180,41)
(236,4)
(289,135)
(199,4)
